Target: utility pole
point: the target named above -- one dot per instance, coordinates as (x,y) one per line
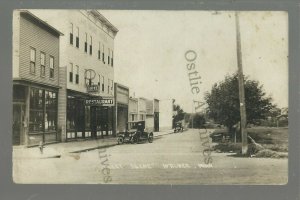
(241,87)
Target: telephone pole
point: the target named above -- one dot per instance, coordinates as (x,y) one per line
(241,87)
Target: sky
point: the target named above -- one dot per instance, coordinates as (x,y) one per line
(150,51)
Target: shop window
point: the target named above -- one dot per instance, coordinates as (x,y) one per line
(71,33)
(87,117)
(51,111)
(77,38)
(71,113)
(43,110)
(43,68)
(32,61)
(51,67)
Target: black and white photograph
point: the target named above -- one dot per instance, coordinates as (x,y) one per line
(150,97)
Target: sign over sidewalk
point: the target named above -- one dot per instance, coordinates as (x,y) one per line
(107,101)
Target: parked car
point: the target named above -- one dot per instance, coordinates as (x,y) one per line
(135,133)
(178,127)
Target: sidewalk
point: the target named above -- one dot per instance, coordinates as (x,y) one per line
(56,150)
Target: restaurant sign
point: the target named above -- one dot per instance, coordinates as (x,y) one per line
(106,101)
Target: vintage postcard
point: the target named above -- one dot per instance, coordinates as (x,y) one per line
(150,97)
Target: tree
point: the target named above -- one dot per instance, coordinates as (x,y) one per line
(224,106)
(196,120)
(179,113)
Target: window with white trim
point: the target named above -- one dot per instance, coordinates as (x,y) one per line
(71,33)
(51,64)
(71,72)
(43,61)
(77,75)
(77,37)
(32,60)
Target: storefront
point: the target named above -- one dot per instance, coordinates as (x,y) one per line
(88,118)
(121,107)
(34,114)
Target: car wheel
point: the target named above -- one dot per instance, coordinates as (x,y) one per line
(150,138)
(120,140)
(133,140)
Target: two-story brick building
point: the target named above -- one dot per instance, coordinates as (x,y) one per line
(35,79)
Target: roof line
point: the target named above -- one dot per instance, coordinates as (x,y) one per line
(40,20)
(104,20)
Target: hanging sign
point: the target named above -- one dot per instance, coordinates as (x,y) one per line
(106,101)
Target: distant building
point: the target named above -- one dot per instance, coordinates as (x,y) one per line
(165,114)
(35,79)
(133,109)
(121,107)
(152,115)
(142,109)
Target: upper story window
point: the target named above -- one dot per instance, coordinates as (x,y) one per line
(85,43)
(71,72)
(108,57)
(103,56)
(99,52)
(91,45)
(51,67)
(32,60)
(108,86)
(112,58)
(77,37)
(103,84)
(77,75)
(71,33)
(99,80)
(43,61)
(88,77)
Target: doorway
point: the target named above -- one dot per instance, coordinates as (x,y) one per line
(18,119)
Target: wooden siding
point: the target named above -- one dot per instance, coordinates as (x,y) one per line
(32,35)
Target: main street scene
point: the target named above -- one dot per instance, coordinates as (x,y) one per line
(150,97)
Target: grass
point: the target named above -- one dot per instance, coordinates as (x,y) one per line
(273,140)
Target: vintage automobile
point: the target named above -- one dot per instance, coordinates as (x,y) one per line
(178,127)
(135,133)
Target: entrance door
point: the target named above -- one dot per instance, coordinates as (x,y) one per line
(18,118)
(156,122)
(94,121)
